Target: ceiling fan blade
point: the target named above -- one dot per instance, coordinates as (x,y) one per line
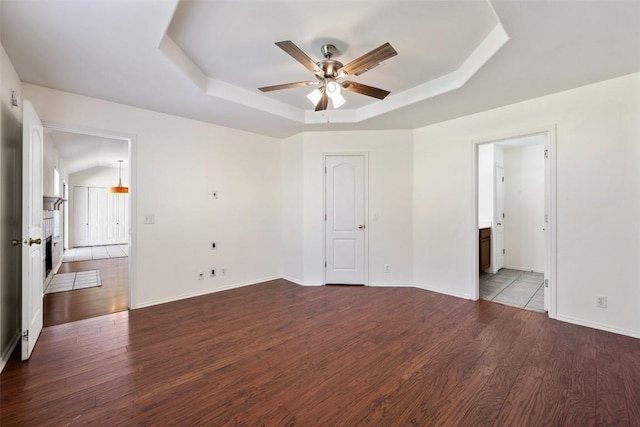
(323,103)
(369,60)
(297,54)
(287,86)
(365,90)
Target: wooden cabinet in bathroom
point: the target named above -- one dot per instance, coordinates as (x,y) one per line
(485,248)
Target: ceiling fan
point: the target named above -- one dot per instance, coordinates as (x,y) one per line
(330,73)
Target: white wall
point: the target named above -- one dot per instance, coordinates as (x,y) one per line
(99,176)
(390,197)
(10,207)
(293,209)
(485,185)
(598,207)
(178,164)
(524,236)
(51,160)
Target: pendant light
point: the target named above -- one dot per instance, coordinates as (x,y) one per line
(119,189)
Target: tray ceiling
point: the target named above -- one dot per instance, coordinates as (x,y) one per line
(205,59)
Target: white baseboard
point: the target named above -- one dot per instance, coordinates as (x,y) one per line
(391,285)
(444,291)
(525,269)
(597,325)
(203,292)
(299,282)
(6,354)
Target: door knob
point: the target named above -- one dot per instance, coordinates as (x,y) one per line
(16,242)
(361,226)
(36,241)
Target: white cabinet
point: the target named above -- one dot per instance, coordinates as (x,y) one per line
(80,219)
(99,217)
(117,224)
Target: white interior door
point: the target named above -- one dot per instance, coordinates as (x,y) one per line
(80,216)
(123,219)
(117,219)
(499,220)
(32,248)
(97,215)
(113,212)
(345,227)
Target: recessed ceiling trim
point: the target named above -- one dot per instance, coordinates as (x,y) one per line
(491,44)
(494,41)
(224,90)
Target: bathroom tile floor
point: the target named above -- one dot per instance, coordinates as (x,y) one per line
(513,287)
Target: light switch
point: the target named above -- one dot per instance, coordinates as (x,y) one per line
(148,219)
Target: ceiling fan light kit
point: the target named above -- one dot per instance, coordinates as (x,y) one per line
(330,72)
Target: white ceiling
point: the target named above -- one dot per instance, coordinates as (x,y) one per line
(110,50)
(81,152)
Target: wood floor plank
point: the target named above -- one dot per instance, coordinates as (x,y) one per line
(611,398)
(111,297)
(280,354)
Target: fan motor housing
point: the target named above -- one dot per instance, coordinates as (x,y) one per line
(330,67)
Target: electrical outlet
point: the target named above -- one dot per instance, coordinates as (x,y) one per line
(387,268)
(213,272)
(213,245)
(200,275)
(601,302)
(148,219)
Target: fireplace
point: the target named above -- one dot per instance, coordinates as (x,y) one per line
(48,260)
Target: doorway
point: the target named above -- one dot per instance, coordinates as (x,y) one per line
(94,279)
(345,212)
(516,212)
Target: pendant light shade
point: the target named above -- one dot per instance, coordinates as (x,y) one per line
(119,189)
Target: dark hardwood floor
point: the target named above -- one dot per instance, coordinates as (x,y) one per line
(279,354)
(111,297)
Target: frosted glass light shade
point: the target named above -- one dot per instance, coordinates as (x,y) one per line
(333,89)
(338,100)
(315,96)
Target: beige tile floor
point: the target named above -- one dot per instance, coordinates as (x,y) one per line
(513,287)
(88,253)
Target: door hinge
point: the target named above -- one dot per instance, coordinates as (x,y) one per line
(546,283)
(325,169)
(503,252)
(546,153)
(502,215)
(25,335)
(325,217)
(503,179)
(325,264)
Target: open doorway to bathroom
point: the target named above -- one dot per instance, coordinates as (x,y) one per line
(90,275)
(514,221)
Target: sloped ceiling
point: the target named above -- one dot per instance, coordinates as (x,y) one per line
(205,59)
(81,152)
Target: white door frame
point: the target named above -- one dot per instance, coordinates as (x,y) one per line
(495,249)
(133,187)
(366,212)
(550,199)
